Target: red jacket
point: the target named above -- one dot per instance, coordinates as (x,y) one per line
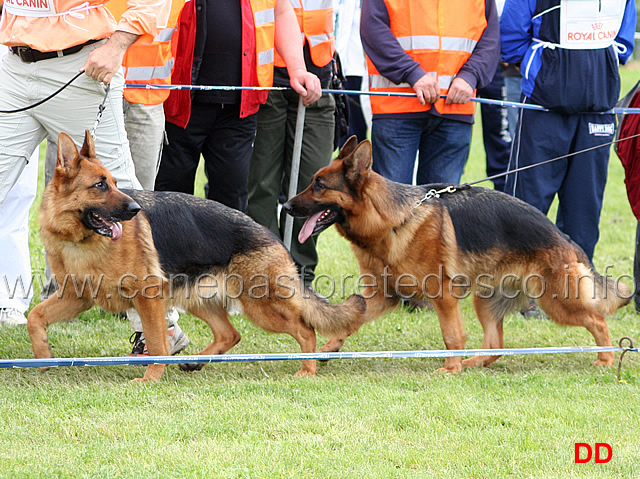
(629,152)
(177,107)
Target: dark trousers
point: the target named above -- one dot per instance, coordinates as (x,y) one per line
(357,124)
(225,141)
(636,269)
(271,164)
(495,130)
(578,180)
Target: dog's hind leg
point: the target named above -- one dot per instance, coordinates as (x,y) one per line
(284,316)
(225,336)
(53,310)
(571,312)
(493,335)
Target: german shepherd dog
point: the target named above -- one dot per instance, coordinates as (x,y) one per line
(413,244)
(151,250)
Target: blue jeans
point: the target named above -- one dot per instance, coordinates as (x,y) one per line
(443,147)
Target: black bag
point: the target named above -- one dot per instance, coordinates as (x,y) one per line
(341,113)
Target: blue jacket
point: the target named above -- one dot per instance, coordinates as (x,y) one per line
(565,80)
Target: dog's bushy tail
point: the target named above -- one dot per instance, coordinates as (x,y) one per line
(608,295)
(611,294)
(333,319)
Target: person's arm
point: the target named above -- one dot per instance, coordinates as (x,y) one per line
(139,18)
(516,25)
(105,61)
(289,45)
(480,67)
(627,31)
(390,59)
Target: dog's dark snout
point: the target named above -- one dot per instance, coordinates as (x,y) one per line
(287,207)
(133,208)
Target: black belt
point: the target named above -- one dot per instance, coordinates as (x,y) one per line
(29,55)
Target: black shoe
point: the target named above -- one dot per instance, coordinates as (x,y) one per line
(137,339)
(532,311)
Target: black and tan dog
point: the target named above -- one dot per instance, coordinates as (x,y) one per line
(411,243)
(148,250)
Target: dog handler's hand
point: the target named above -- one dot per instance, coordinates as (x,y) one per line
(105,61)
(427,89)
(307,85)
(459,92)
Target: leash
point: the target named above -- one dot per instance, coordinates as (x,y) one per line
(433,193)
(101,109)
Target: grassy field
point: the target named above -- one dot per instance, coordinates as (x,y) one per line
(366,418)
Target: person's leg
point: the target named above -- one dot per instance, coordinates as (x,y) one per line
(394,144)
(513,93)
(20,133)
(317,148)
(227,154)
(540,136)
(636,269)
(267,162)
(15,261)
(181,154)
(145,130)
(357,124)
(495,130)
(582,192)
(444,149)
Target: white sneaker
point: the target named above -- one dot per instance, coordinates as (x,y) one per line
(12,317)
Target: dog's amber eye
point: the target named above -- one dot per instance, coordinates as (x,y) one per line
(101,185)
(319,185)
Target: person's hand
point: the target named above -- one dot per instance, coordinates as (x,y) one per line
(459,92)
(427,89)
(306,85)
(105,61)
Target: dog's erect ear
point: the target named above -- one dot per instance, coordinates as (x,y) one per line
(358,164)
(89,147)
(348,147)
(67,152)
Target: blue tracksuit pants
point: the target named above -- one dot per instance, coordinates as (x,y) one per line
(578,180)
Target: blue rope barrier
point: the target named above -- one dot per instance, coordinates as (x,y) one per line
(488,101)
(236,358)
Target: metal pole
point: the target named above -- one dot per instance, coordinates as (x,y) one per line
(295,170)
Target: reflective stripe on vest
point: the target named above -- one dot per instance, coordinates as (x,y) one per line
(264,20)
(150,60)
(315,19)
(442,42)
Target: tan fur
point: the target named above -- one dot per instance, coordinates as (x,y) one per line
(121,271)
(391,236)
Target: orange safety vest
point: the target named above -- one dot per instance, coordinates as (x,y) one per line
(315,18)
(265,29)
(441,37)
(150,60)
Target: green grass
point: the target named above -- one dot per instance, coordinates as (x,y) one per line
(356,418)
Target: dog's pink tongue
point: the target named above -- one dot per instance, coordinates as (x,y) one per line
(307,228)
(116,231)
